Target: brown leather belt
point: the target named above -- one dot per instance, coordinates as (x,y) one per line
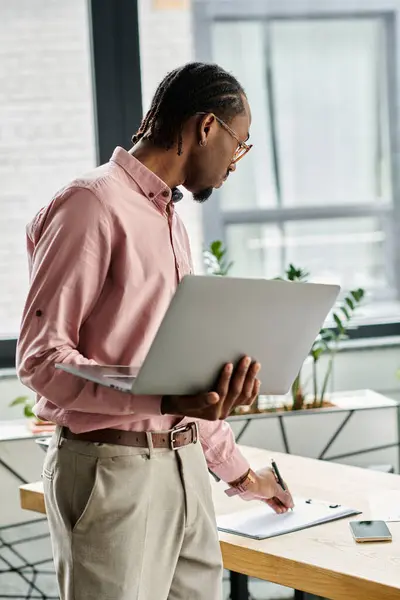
(173,439)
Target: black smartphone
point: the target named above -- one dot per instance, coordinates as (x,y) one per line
(370,531)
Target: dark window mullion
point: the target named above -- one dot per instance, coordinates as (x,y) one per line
(116,69)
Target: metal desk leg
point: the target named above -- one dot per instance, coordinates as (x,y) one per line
(239,586)
(11,470)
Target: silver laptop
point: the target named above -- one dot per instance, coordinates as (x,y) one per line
(214,320)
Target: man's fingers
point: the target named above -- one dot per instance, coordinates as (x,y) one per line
(256,388)
(284,497)
(248,384)
(212,398)
(238,378)
(233,393)
(251,388)
(234,388)
(276,505)
(224,381)
(238,387)
(202,401)
(254,396)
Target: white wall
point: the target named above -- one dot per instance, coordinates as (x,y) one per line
(371,366)
(46,106)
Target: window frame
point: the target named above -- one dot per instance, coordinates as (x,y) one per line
(215,219)
(117,90)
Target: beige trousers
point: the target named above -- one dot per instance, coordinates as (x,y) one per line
(131,523)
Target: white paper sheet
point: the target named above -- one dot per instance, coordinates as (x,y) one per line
(385,506)
(260,522)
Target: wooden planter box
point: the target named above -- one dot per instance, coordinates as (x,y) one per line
(361,430)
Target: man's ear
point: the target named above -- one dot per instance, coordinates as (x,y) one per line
(205,128)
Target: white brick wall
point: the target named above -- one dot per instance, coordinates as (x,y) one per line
(46,125)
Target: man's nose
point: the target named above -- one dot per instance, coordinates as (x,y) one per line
(232,168)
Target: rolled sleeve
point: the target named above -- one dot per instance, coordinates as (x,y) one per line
(221,451)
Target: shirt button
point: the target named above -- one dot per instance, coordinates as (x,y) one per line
(165,193)
(151,195)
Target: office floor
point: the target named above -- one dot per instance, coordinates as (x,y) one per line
(44,585)
(25,549)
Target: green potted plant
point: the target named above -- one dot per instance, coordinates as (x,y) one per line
(327,342)
(35,424)
(26,404)
(215,259)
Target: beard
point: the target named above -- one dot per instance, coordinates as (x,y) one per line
(203,195)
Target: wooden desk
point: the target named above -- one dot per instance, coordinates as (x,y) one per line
(322,560)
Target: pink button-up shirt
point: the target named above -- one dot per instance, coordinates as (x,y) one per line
(105,258)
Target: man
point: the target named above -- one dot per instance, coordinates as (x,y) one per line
(126,485)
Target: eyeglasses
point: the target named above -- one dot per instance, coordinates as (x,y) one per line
(242,148)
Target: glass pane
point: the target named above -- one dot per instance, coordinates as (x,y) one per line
(250,256)
(350,252)
(330,97)
(47,135)
(239,47)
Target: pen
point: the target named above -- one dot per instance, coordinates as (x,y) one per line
(278,476)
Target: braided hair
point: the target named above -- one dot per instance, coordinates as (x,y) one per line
(186,91)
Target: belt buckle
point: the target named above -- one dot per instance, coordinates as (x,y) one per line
(190,427)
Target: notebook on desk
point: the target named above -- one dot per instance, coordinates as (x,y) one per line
(260,522)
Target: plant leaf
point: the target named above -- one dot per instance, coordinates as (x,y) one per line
(215,259)
(216,246)
(328,335)
(295,274)
(28,411)
(358,294)
(19,400)
(345,312)
(317,352)
(338,322)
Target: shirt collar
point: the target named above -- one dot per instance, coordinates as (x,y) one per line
(151,185)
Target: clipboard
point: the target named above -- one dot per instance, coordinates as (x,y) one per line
(260,522)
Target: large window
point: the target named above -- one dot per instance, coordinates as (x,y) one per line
(47,125)
(319,187)
(70,93)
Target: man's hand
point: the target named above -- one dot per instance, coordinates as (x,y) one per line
(235,387)
(268,489)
